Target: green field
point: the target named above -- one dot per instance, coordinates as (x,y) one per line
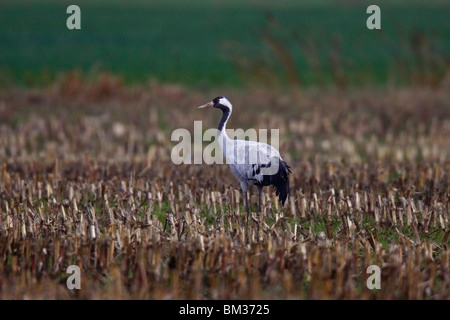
(226,43)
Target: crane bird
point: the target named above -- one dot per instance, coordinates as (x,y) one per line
(250,161)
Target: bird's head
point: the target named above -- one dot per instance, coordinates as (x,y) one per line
(221,103)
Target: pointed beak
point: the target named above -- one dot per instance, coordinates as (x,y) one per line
(206,105)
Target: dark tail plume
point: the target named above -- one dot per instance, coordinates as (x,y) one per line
(281,181)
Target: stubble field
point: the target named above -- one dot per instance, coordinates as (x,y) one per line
(86,179)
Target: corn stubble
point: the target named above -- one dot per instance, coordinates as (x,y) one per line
(87,181)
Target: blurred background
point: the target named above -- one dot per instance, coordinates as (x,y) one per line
(312,69)
(205,44)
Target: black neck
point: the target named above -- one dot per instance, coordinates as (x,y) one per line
(225,115)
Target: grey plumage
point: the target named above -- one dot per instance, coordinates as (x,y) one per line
(250,161)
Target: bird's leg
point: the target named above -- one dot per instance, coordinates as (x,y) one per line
(246,209)
(246,203)
(260,189)
(248,215)
(244,187)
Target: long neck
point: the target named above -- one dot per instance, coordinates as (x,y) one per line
(225,115)
(222,137)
